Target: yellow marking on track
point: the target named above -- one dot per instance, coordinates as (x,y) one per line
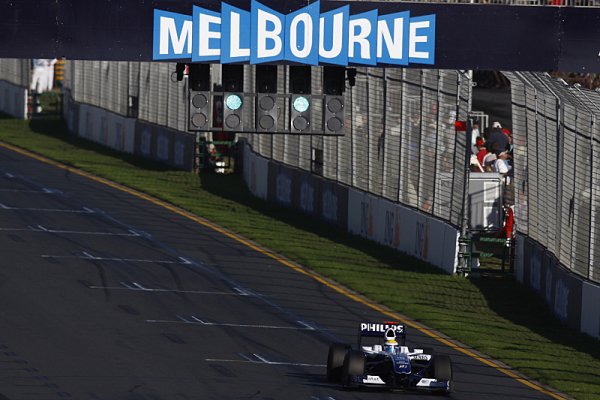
(287,263)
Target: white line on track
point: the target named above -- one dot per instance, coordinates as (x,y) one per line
(193,320)
(41,191)
(263,361)
(40,228)
(311,328)
(136,287)
(88,256)
(85,210)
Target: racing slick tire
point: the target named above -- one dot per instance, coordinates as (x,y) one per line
(354,364)
(335,361)
(442,370)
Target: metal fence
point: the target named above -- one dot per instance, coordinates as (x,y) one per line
(556,156)
(401,144)
(16,71)
(400,140)
(135,89)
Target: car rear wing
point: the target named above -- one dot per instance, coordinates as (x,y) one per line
(378,329)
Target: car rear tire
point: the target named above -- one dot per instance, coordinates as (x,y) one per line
(335,361)
(354,364)
(442,370)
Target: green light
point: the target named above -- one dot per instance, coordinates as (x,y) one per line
(301,104)
(233,102)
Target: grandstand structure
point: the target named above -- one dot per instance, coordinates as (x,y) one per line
(397,175)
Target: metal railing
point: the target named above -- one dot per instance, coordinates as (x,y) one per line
(556,156)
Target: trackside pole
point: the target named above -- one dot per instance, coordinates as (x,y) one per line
(464,241)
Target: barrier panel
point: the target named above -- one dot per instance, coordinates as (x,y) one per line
(164,145)
(13,100)
(256,173)
(567,295)
(590,312)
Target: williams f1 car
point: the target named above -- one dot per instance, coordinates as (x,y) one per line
(388,363)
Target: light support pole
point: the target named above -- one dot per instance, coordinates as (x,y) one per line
(464,241)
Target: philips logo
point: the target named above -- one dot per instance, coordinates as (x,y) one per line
(368,327)
(304,36)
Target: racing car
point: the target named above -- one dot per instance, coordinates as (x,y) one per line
(387,363)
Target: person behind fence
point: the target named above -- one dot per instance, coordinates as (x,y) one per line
(481,150)
(488,161)
(497,141)
(38,75)
(475,134)
(49,76)
(502,164)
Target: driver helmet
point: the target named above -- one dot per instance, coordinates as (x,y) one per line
(390,346)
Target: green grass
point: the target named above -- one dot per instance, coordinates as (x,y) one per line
(494,315)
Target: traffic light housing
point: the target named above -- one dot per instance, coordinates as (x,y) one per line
(300,101)
(179,71)
(233,96)
(334,86)
(199,116)
(266,98)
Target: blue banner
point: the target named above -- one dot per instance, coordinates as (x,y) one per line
(304,36)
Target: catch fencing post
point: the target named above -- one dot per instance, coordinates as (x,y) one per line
(464,240)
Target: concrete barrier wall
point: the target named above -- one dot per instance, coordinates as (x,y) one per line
(363,214)
(165,145)
(590,310)
(129,135)
(404,229)
(13,100)
(572,299)
(256,172)
(298,189)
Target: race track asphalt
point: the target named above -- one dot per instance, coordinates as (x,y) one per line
(105,295)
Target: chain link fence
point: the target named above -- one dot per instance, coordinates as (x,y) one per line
(16,71)
(556,156)
(400,140)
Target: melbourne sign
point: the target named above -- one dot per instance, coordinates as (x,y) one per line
(326,32)
(307,36)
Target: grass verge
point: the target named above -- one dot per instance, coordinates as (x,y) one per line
(494,315)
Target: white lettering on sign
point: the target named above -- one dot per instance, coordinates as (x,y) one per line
(366,39)
(179,40)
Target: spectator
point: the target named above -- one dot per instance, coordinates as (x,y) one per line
(476,145)
(501,165)
(38,75)
(49,75)
(475,134)
(497,141)
(475,164)
(481,150)
(488,161)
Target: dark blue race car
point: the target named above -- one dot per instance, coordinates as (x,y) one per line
(388,363)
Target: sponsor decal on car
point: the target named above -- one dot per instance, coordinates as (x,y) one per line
(366,327)
(373,379)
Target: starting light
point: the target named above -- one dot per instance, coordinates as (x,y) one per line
(199,115)
(266,109)
(233,102)
(301,104)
